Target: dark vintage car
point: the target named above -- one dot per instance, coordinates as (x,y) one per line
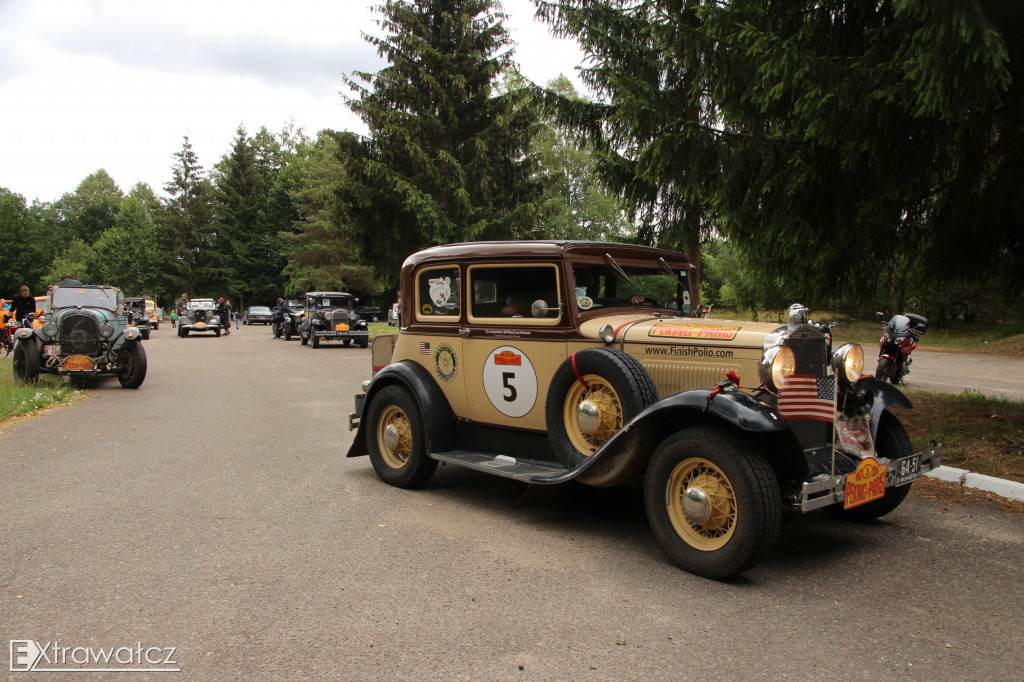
(331,316)
(370,313)
(200,316)
(546,362)
(136,308)
(292,320)
(257,314)
(85,332)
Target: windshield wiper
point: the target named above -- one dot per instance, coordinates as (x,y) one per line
(618,269)
(664,265)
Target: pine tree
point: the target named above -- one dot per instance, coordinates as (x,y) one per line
(186,233)
(827,140)
(446,156)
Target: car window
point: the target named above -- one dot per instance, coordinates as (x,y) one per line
(524,292)
(437,292)
(602,286)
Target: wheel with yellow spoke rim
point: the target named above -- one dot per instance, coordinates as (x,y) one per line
(605,419)
(712,501)
(396,440)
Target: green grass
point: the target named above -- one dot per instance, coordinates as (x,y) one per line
(18,399)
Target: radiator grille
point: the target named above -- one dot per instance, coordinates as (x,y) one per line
(79,334)
(673,377)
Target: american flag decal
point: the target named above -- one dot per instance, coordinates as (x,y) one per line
(424,348)
(807,397)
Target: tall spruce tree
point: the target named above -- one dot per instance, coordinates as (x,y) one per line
(186,232)
(240,194)
(828,140)
(446,159)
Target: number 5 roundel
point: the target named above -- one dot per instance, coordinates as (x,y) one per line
(510,381)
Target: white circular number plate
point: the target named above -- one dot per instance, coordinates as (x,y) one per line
(510,381)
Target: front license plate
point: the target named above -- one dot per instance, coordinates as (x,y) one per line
(78,363)
(865,484)
(905,470)
(52,349)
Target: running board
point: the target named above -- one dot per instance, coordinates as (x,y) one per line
(526,470)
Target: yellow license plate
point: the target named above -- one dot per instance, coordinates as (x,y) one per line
(200,324)
(341,327)
(78,363)
(865,484)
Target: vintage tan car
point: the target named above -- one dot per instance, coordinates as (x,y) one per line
(554,361)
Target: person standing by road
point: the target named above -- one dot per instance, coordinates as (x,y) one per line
(224,311)
(278,318)
(181,304)
(23,304)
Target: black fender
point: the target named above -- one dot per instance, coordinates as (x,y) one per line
(438,417)
(872,395)
(760,423)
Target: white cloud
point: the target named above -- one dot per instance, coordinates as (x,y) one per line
(117,84)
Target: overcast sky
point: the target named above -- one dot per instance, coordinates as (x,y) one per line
(117,84)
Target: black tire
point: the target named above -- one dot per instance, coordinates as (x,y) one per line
(892,442)
(25,362)
(132,359)
(364,341)
(181,332)
(314,340)
(399,456)
(287,332)
(156,326)
(884,369)
(217,332)
(616,383)
(732,519)
(346,342)
(303,339)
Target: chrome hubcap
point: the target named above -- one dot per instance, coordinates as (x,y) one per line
(390,437)
(588,416)
(696,505)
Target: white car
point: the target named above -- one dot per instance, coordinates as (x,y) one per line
(393,315)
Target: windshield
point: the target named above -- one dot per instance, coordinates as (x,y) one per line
(87,297)
(333,302)
(602,286)
(201,305)
(259,309)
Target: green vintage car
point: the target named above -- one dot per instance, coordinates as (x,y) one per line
(85,332)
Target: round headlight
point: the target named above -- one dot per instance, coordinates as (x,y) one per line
(106,330)
(777,363)
(49,330)
(848,362)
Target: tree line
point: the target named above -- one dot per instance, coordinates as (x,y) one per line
(848,154)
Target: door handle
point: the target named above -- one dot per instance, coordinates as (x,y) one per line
(464,332)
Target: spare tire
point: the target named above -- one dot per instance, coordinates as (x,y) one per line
(615,388)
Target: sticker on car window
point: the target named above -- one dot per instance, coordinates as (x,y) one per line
(440,290)
(510,381)
(585,302)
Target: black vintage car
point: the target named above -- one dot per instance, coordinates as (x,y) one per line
(331,316)
(136,309)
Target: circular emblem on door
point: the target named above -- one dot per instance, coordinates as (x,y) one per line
(510,381)
(445,362)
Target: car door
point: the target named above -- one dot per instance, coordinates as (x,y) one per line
(514,340)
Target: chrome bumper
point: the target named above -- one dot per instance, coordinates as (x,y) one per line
(832,490)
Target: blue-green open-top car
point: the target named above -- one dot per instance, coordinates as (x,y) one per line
(86,332)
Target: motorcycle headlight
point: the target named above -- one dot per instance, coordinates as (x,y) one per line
(848,362)
(777,363)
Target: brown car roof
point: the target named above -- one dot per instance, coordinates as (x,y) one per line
(536,249)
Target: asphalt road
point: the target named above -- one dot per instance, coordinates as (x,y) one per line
(212,510)
(995,376)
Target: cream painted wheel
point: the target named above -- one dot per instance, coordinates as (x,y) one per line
(590,426)
(396,439)
(701,504)
(712,501)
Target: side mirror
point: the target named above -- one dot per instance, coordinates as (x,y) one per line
(880,316)
(540,308)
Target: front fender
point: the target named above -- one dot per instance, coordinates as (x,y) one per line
(872,395)
(756,421)
(438,417)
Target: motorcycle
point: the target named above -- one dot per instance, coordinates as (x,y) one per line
(899,339)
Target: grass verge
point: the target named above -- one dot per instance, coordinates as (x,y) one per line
(979,434)
(17,399)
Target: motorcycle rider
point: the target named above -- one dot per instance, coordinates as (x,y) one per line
(23,304)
